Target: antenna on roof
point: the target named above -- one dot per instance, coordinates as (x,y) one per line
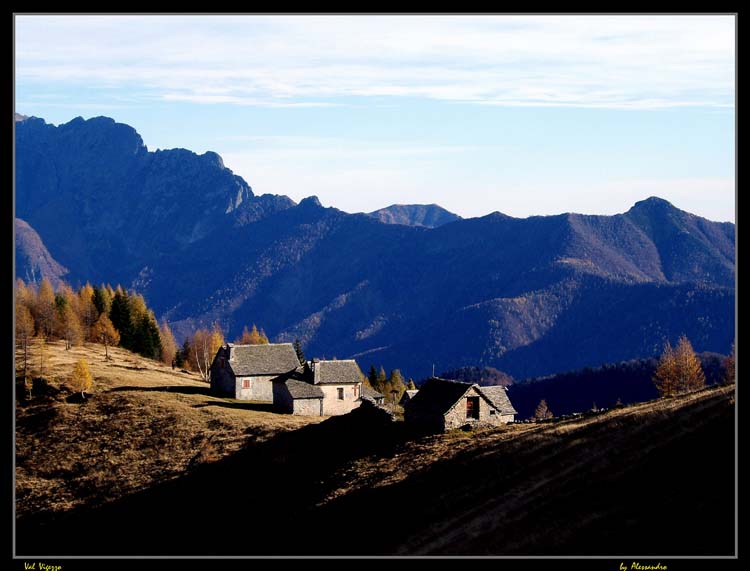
(433,370)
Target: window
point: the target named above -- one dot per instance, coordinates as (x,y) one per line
(341,393)
(245,383)
(221,363)
(492,412)
(356,391)
(472,407)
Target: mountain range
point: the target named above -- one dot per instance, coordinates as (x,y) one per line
(409,286)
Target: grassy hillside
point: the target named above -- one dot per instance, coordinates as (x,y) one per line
(653,478)
(143,424)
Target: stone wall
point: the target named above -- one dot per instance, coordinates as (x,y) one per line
(307,407)
(456,416)
(332,405)
(261,388)
(222,380)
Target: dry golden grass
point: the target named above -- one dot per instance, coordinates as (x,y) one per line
(143,423)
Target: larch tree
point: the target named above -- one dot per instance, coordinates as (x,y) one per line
(81,379)
(87,312)
(542,411)
(253,337)
(396,386)
(44,308)
(729,367)
(70,328)
(666,376)
(168,344)
(689,370)
(410,386)
(24,332)
(105,333)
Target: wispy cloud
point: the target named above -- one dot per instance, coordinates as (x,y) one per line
(289,61)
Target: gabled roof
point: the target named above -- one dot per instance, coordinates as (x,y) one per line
(438,396)
(301,389)
(408,395)
(271,359)
(498,396)
(372,394)
(336,372)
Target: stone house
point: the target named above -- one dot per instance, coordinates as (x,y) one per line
(442,405)
(372,395)
(498,396)
(341,383)
(247,372)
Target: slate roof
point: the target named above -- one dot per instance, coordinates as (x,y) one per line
(271,359)
(437,396)
(407,396)
(337,372)
(372,394)
(498,396)
(302,390)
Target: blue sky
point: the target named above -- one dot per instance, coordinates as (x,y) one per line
(523,115)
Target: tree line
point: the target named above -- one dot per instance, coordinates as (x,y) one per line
(391,386)
(112,316)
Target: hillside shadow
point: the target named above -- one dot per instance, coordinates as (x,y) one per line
(271,486)
(598,491)
(259,406)
(185,390)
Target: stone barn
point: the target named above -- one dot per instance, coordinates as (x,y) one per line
(498,396)
(247,372)
(294,396)
(442,405)
(341,383)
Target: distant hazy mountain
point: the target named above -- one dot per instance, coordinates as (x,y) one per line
(528,296)
(33,261)
(428,215)
(18,117)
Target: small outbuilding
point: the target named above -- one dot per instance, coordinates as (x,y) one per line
(294,396)
(443,404)
(341,383)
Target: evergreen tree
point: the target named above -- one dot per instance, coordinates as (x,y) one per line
(102,300)
(372,377)
(298,350)
(119,315)
(145,337)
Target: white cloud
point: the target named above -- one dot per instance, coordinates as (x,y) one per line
(578,61)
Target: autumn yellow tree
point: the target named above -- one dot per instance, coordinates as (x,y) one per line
(44,308)
(689,371)
(87,313)
(542,411)
(666,376)
(24,332)
(253,337)
(203,348)
(81,379)
(69,327)
(105,333)
(168,344)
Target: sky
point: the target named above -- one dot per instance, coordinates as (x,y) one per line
(526,115)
